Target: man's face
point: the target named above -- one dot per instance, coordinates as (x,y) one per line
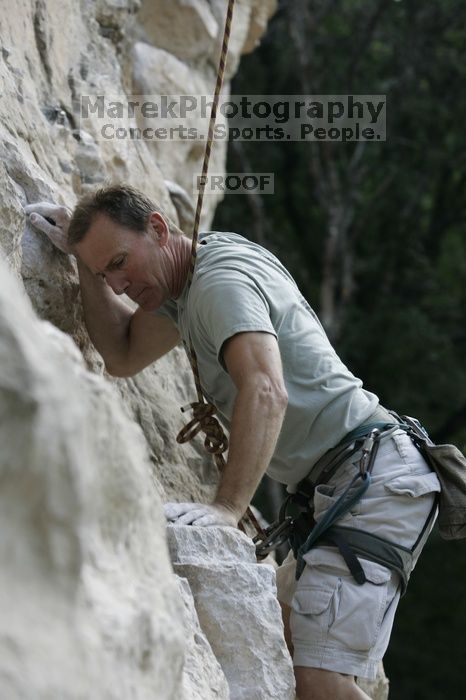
(131,263)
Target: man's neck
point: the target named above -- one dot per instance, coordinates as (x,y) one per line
(181,256)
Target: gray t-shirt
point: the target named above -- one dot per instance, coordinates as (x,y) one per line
(239,286)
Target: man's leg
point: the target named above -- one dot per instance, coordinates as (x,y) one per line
(318,684)
(339,629)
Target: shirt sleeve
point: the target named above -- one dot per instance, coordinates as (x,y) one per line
(228,302)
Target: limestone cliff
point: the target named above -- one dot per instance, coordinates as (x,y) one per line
(53,51)
(90,606)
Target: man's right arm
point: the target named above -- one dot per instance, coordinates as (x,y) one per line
(127,340)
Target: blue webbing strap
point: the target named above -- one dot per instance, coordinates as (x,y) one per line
(344,503)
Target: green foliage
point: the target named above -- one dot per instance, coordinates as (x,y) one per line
(403,329)
(426,653)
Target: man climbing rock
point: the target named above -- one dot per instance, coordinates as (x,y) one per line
(288,400)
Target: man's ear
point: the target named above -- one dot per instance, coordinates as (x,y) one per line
(158,228)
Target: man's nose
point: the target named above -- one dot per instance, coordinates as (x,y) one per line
(117,283)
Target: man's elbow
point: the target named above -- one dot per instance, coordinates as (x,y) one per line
(119,369)
(273,393)
(282,399)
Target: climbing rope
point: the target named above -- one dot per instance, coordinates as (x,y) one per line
(204,420)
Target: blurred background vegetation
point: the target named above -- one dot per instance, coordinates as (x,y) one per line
(375,235)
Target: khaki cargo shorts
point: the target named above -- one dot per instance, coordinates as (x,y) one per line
(335,623)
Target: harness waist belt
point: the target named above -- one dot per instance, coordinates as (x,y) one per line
(327,465)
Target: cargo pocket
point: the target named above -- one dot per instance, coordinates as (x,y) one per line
(361,609)
(413,485)
(410,499)
(312,613)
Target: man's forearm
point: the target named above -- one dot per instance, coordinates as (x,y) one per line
(256,423)
(107,317)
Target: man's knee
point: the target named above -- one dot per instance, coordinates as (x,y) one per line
(320,684)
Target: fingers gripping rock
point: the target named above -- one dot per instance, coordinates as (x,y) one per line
(199,514)
(53,221)
(174,510)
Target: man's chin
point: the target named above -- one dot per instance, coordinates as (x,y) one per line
(145,300)
(148,305)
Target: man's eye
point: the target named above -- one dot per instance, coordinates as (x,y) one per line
(118,262)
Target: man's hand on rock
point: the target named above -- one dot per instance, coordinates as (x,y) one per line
(53,220)
(200,514)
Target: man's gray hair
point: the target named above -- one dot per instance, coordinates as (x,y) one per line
(122,204)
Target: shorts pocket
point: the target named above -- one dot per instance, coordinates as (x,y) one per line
(334,611)
(312,600)
(312,613)
(361,609)
(413,485)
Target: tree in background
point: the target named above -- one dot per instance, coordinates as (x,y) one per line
(375,235)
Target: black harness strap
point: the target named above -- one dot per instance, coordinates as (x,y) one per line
(334,536)
(367,546)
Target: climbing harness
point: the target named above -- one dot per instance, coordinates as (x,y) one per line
(204,420)
(303,533)
(297,527)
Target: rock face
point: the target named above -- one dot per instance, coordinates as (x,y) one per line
(378,689)
(202,674)
(236,602)
(48,153)
(89,604)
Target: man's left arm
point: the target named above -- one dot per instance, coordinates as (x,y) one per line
(254,364)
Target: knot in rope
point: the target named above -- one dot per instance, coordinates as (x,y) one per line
(216,442)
